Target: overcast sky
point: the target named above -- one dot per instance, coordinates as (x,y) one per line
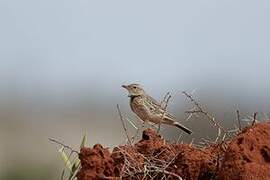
(51,48)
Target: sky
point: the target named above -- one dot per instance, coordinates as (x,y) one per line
(55,46)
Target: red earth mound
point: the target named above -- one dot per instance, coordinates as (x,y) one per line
(247,156)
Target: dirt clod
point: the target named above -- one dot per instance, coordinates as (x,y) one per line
(246,157)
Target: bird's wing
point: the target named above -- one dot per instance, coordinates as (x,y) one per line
(152,101)
(156,108)
(139,106)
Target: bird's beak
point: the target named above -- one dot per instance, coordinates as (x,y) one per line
(124,86)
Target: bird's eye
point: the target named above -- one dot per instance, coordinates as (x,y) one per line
(134,87)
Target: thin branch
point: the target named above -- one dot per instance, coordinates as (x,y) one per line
(189,117)
(171,161)
(152,166)
(194,111)
(179,137)
(132,123)
(218,135)
(123,124)
(173,174)
(238,120)
(164,99)
(164,111)
(133,138)
(254,118)
(102,176)
(191,142)
(65,146)
(157,170)
(201,110)
(224,136)
(207,141)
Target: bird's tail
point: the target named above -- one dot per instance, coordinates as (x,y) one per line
(177,124)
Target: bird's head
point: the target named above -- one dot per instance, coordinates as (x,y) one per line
(134,90)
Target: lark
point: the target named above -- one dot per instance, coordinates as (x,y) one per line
(148,109)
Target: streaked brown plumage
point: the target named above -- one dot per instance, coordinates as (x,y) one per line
(148,109)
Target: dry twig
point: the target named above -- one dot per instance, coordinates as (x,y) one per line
(123,124)
(152,166)
(254,118)
(67,159)
(238,120)
(168,96)
(201,110)
(198,109)
(65,146)
(164,99)
(133,138)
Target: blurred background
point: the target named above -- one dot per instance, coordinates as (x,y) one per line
(62,64)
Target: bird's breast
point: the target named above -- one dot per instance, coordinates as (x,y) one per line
(135,102)
(138,107)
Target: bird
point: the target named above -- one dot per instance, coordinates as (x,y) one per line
(148,109)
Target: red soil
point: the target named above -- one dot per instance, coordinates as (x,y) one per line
(246,157)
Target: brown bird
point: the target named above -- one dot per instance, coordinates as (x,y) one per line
(148,109)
